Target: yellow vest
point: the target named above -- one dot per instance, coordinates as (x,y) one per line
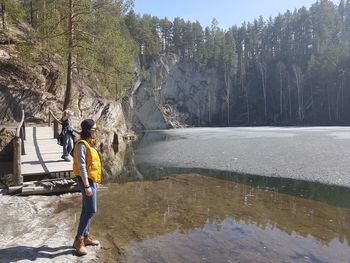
(93,162)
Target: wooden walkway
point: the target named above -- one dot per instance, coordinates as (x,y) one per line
(43,154)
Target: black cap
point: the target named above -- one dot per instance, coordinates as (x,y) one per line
(87,124)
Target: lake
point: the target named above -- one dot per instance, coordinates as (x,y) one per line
(231,195)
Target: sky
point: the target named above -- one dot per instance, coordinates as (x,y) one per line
(227,12)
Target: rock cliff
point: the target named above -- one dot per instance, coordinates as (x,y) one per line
(174,93)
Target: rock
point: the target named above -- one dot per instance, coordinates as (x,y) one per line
(177,93)
(4,55)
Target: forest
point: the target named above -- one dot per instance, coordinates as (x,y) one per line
(293,69)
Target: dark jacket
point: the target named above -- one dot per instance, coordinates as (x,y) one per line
(67,127)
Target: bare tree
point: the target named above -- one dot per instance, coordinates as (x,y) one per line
(245,89)
(328,103)
(289,97)
(298,81)
(227,78)
(262,71)
(281,70)
(209,105)
(340,97)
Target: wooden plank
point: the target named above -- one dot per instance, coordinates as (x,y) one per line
(47,180)
(41,190)
(43,154)
(50,186)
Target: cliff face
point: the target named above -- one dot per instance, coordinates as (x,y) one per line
(178,93)
(36,88)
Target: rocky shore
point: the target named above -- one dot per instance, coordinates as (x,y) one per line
(40,229)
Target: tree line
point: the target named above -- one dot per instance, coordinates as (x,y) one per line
(286,70)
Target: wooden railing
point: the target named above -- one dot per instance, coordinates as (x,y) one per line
(18,150)
(56,121)
(18,144)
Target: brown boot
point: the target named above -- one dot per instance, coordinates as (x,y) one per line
(90,241)
(79,246)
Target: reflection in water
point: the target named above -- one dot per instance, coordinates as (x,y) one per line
(334,195)
(199,215)
(194,218)
(233,241)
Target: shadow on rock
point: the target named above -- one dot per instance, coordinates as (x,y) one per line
(14,254)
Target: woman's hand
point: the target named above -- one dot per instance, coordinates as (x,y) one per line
(88,191)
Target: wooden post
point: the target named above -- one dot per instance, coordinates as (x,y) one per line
(115,143)
(55,129)
(49,119)
(24,131)
(17,152)
(22,137)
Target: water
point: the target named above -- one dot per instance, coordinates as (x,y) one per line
(191,214)
(314,154)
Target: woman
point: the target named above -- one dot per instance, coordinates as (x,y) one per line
(67,132)
(87,167)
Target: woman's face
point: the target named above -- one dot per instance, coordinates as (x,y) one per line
(93,132)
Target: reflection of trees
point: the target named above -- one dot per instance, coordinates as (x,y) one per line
(181,203)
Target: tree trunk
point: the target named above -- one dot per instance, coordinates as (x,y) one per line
(312,103)
(329,105)
(247,104)
(227,83)
(342,96)
(281,97)
(262,69)
(244,89)
(298,76)
(289,99)
(3,14)
(281,69)
(199,115)
(31,14)
(68,94)
(337,114)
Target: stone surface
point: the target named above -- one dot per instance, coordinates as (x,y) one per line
(39,229)
(177,93)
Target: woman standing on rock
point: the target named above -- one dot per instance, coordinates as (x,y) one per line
(87,167)
(67,132)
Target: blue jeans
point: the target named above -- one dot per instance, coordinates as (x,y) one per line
(67,144)
(88,209)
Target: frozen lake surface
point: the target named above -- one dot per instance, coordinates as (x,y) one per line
(318,154)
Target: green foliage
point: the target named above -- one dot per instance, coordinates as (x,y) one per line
(91,35)
(305,56)
(14,11)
